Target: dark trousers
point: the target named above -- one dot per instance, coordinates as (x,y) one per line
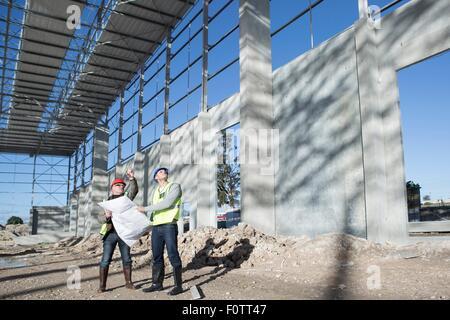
(109,245)
(165,234)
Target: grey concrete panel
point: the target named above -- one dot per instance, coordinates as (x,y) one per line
(226,114)
(414,32)
(49,218)
(206,166)
(90,224)
(319,183)
(165,151)
(337,114)
(151,163)
(183,165)
(99,183)
(367,54)
(256,114)
(429,226)
(139,174)
(73,211)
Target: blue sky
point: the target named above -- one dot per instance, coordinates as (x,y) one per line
(424,119)
(425,110)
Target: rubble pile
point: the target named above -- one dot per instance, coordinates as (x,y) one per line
(333,248)
(11,231)
(243,246)
(6,235)
(6,240)
(18,229)
(227,248)
(437,248)
(91,245)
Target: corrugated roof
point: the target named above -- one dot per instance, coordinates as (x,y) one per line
(132,32)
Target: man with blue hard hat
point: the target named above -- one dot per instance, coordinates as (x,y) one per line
(165,207)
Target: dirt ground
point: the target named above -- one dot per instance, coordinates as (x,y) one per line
(235,264)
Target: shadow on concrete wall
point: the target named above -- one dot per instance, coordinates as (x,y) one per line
(316,100)
(320,175)
(320,152)
(316,105)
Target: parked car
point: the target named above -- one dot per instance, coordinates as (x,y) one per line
(228,218)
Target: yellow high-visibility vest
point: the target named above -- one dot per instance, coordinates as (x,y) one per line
(167,215)
(103,229)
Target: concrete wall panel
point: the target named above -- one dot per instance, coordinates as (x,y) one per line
(319,183)
(336,108)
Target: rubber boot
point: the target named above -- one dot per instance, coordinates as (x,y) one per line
(103,273)
(127,275)
(178,281)
(157,279)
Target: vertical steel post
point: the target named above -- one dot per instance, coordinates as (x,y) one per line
(363,7)
(75,171)
(119,138)
(311,25)
(141,103)
(83,163)
(34,182)
(5,54)
(205,57)
(167,82)
(68,180)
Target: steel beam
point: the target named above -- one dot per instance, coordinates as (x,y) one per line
(119,138)
(141,103)
(5,54)
(205,57)
(167,82)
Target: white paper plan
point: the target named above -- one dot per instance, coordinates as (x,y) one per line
(117,205)
(129,223)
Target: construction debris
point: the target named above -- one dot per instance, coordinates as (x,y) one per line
(18,229)
(243,262)
(6,235)
(243,246)
(16,252)
(10,232)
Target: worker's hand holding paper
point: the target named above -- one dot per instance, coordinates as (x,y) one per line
(129,223)
(118,205)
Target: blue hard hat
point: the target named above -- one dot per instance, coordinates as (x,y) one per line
(156,171)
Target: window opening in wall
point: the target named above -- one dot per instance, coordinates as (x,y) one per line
(228,176)
(425,111)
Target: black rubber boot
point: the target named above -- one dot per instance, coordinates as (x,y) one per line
(127,275)
(178,281)
(157,279)
(103,273)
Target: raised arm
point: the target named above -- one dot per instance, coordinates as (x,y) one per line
(174,193)
(132,188)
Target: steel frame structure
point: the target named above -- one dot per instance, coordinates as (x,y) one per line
(59,92)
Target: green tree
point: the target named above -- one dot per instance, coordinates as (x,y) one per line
(412,185)
(228,175)
(14,220)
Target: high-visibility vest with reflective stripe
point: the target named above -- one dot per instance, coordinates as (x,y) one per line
(103,229)
(166,215)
